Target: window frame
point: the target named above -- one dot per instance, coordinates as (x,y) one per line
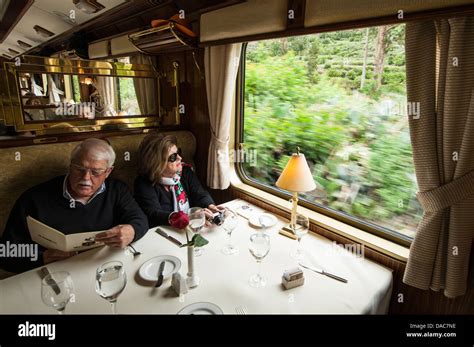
(372,228)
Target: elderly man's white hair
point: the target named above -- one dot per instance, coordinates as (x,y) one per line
(96,148)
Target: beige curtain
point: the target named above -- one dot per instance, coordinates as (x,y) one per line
(440,76)
(221,64)
(54,92)
(145,88)
(107,89)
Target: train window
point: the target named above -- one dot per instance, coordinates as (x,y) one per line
(341,98)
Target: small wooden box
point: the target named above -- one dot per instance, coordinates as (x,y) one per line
(292,278)
(291,284)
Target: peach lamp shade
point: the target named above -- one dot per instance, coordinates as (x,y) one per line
(296,177)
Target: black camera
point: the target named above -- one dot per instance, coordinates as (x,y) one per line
(218,218)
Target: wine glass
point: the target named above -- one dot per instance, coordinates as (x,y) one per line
(259,248)
(57,289)
(110,281)
(301,229)
(264,221)
(197,219)
(230,223)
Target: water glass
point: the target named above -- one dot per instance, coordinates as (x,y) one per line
(259,248)
(230,223)
(197,219)
(57,289)
(110,281)
(301,228)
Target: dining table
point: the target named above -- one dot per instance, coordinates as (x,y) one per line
(224,279)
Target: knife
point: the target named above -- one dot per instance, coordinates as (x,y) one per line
(322,272)
(160,274)
(51,282)
(170,238)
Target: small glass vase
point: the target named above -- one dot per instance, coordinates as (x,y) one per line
(192,279)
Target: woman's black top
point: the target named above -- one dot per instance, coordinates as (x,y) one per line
(157,203)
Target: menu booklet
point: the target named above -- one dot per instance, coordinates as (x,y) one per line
(54,239)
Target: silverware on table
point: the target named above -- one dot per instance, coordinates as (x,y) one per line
(170,238)
(134,251)
(322,272)
(246,208)
(160,274)
(51,282)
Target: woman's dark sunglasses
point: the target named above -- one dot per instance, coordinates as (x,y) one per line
(173,157)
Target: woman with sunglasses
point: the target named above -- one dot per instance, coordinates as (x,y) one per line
(165,184)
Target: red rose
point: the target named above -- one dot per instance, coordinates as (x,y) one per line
(179,220)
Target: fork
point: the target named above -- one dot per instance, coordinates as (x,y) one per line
(134,251)
(240,310)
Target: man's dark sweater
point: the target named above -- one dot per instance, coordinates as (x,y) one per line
(157,203)
(46,203)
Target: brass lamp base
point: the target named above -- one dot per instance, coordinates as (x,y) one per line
(288,232)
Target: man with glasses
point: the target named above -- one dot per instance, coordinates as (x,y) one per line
(83,200)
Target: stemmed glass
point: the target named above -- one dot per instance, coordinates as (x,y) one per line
(197,219)
(57,289)
(264,221)
(230,223)
(110,281)
(301,229)
(259,248)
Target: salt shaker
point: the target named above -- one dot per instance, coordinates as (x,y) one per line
(178,283)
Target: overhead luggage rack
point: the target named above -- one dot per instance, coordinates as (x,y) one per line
(165,38)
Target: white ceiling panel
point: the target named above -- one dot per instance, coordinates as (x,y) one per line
(42,13)
(65,6)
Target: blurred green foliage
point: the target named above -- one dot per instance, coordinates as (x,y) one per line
(128,96)
(304,91)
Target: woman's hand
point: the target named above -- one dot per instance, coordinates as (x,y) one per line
(209,212)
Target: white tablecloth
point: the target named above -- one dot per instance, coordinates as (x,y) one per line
(224,278)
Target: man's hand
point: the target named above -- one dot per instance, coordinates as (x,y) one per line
(52,255)
(119,236)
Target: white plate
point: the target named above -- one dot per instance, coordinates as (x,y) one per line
(255,219)
(201,308)
(149,269)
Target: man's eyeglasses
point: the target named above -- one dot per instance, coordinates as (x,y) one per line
(83,170)
(173,157)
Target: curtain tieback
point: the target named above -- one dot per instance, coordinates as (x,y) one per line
(218,140)
(447,195)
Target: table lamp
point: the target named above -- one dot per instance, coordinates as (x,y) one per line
(296,178)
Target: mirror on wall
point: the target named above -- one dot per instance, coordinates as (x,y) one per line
(52,97)
(51,94)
